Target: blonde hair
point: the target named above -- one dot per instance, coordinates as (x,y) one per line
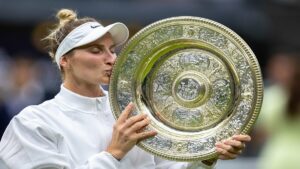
(67,22)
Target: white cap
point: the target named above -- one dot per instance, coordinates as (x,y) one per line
(89,32)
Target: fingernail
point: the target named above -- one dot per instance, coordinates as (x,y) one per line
(219,150)
(148,119)
(132,104)
(235,137)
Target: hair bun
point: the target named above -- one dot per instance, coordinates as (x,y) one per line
(65,16)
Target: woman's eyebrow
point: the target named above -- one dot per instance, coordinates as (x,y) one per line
(112,46)
(91,45)
(96,45)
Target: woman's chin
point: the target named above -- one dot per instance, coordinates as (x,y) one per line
(105,82)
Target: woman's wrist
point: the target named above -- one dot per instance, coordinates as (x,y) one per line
(118,155)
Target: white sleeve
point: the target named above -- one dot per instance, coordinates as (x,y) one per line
(165,164)
(29,144)
(200,165)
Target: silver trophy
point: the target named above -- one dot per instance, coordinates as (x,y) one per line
(197,80)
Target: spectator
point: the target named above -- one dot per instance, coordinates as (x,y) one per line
(280,115)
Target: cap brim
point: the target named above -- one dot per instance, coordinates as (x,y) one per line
(118,31)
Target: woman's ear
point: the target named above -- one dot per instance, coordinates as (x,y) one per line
(64,62)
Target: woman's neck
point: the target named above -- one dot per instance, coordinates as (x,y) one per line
(84,89)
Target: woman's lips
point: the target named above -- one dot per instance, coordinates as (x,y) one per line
(108,72)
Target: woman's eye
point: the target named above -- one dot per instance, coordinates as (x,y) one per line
(96,50)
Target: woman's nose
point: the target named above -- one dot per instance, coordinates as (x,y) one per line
(111,58)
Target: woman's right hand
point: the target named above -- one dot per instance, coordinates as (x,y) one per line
(127,132)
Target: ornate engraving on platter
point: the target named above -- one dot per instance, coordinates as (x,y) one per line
(188,89)
(197,80)
(177,80)
(213,37)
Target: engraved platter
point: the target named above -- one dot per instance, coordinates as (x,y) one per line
(197,80)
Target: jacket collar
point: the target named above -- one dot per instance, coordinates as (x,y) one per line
(81,103)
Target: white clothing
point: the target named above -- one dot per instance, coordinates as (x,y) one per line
(70,132)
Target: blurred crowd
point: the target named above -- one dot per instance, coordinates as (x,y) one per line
(278,127)
(25,80)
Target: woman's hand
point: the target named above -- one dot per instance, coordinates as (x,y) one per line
(127,132)
(230,148)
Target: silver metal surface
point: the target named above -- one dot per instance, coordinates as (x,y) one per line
(198,81)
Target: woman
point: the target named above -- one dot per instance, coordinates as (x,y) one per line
(76,129)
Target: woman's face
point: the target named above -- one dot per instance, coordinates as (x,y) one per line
(91,64)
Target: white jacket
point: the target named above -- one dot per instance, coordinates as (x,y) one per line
(70,132)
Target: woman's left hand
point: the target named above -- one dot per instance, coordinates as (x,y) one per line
(229,148)
(232,147)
